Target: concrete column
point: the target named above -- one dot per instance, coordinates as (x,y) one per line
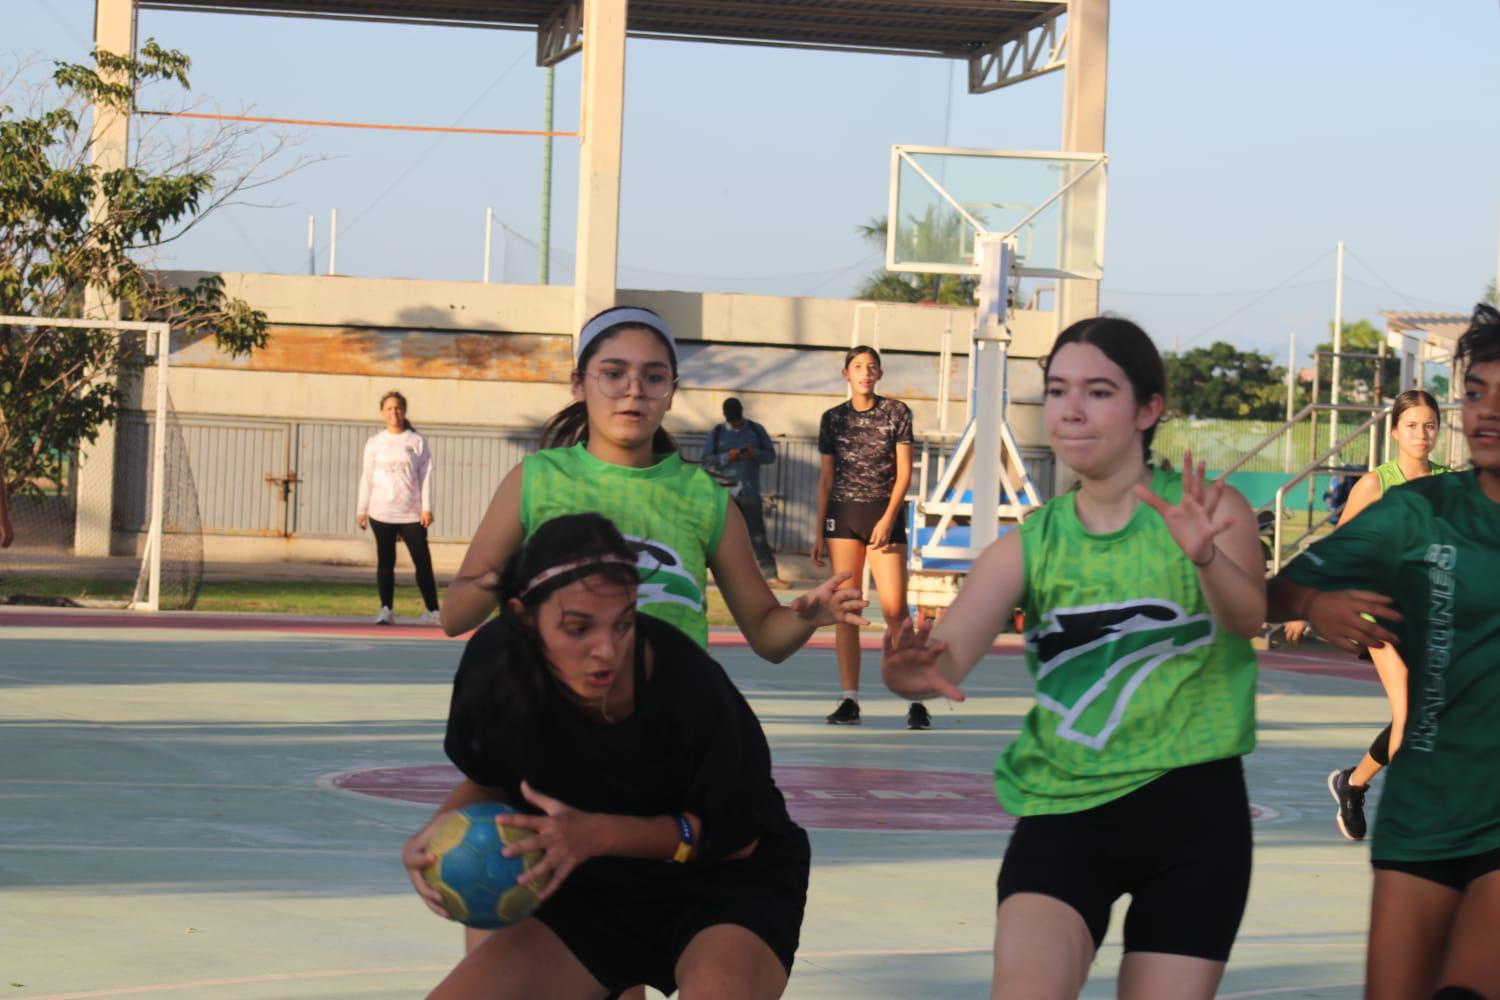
(1085,86)
(599,158)
(114,31)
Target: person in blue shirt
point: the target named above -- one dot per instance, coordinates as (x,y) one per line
(733,454)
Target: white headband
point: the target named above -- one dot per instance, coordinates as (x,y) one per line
(568,567)
(619,316)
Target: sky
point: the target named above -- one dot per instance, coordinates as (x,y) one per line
(1244,141)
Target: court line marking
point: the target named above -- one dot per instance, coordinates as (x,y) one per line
(1273,991)
(284,977)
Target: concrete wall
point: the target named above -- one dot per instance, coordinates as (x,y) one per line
(498,356)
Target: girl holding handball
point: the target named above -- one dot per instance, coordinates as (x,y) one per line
(1141,589)
(628,748)
(865,444)
(1435,546)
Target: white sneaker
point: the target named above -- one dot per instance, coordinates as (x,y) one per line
(431,618)
(385,617)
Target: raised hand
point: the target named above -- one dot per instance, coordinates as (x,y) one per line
(1193,521)
(567,837)
(908,662)
(832,603)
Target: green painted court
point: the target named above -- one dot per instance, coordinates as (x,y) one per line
(199,808)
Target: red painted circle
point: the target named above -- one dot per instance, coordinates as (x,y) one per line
(820,798)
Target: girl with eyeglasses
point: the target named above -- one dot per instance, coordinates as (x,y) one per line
(607,453)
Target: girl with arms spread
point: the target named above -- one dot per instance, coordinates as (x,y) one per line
(629,748)
(1414,426)
(1141,589)
(1434,545)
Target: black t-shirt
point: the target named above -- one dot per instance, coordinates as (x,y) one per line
(692,744)
(863,446)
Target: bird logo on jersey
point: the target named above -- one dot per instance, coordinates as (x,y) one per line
(1092,660)
(664,580)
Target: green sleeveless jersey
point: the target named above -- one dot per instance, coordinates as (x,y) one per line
(671,512)
(1433,545)
(1133,675)
(1391,475)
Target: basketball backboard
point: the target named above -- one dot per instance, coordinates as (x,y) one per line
(1049,205)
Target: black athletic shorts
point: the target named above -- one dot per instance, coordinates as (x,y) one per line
(626,936)
(1455,873)
(1180,847)
(857,519)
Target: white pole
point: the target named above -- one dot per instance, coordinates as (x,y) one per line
(489,232)
(1338,345)
(158,471)
(312,245)
(945,358)
(333,240)
(1291,400)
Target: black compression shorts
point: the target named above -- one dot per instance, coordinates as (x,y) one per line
(856,519)
(625,938)
(1455,873)
(1180,847)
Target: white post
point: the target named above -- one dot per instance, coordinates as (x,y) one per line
(158,471)
(312,245)
(333,240)
(1291,400)
(1338,346)
(945,357)
(489,232)
(990,341)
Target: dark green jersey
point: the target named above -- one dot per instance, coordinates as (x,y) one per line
(1433,545)
(1133,674)
(671,512)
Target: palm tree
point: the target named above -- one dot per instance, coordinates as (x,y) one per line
(929,238)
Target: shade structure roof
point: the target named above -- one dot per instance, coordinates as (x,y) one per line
(1448,326)
(948,28)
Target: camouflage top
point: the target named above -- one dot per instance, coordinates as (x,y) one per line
(863,446)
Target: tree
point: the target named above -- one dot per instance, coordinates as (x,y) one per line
(1491,295)
(930,236)
(1222,381)
(58,386)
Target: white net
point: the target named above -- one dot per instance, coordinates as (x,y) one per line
(88,528)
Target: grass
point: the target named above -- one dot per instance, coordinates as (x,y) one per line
(321,598)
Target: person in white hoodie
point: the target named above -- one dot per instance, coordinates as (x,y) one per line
(395,498)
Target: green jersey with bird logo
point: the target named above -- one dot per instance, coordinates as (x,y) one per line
(1133,675)
(671,513)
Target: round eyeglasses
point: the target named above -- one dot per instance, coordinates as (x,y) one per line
(614,383)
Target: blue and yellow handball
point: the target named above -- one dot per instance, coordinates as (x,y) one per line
(477,882)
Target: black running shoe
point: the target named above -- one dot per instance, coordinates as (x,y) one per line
(917,717)
(847,714)
(1351,800)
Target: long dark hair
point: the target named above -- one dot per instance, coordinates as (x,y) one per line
(859,349)
(1128,346)
(570,425)
(396,395)
(517,680)
(1481,341)
(1413,398)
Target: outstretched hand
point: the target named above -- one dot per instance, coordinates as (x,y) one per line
(567,837)
(1347,618)
(908,662)
(1193,521)
(832,603)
